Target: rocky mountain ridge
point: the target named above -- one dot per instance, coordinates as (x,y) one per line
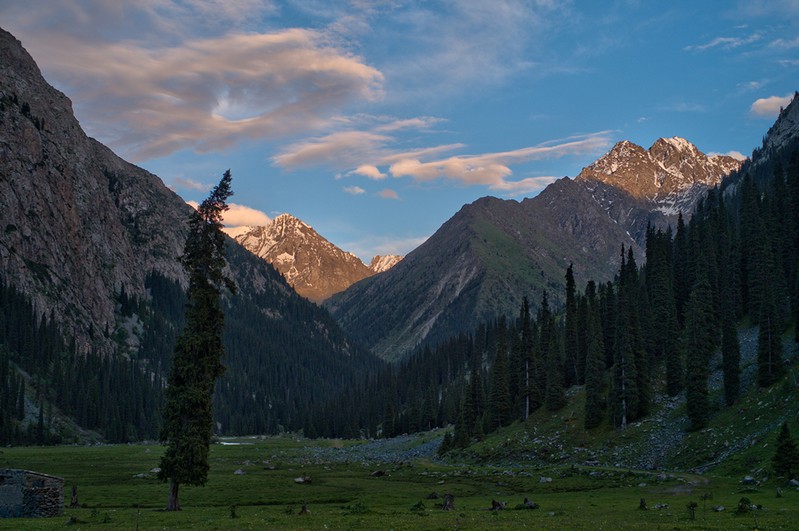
(672,174)
(492,253)
(312,265)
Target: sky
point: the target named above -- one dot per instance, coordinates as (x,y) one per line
(375,121)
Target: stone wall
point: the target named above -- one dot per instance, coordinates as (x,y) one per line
(29,494)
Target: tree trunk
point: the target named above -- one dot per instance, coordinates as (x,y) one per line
(173,504)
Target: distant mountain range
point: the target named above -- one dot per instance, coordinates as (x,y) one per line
(493,253)
(310,263)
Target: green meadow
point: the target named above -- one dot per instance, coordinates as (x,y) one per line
(252,485)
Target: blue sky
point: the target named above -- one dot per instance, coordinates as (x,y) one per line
(375,121)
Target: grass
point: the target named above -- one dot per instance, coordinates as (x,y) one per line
(118,491)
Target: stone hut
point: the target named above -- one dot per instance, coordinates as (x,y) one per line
(29,494)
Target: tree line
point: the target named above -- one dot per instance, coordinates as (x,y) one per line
(652,330)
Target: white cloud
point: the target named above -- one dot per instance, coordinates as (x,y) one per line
(354,190)
(751,86)
(367,170)
(737,155)
(770,107)
(388,194)
(238,215)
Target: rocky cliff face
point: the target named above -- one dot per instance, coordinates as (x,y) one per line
(77,223)
(310,263)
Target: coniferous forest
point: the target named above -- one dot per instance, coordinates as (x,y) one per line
(653,331)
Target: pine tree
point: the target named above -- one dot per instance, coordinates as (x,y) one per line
(664,329)
(555,397)
(699,345)
(770,366)
(571,353)
(626,394)
(731,356)
(196,363)
(500,405)
(528,355)
(786,454)
(595,387)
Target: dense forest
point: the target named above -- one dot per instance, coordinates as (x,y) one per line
(651,331)
(120,397)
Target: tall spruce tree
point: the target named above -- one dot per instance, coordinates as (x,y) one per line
(500,404)
(573,375)
(625,392)
(595,386)
(699,344)
(770,365)
(731,356)
(197,360)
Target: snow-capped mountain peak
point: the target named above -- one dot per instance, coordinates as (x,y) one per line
(310,263)
(672,173)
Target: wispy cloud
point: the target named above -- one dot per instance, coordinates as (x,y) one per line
(388,194)
(771,106)
(342,149)
(494,169)
(189,184)
(786,44)
(450,44)
(683,106)
(354,190)
(725,43)
(178,91)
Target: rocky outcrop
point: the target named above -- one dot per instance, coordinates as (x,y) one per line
(382,263)
(671,175)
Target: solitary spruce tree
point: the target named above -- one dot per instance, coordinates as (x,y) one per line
(196,364)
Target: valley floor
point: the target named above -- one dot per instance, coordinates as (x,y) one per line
(395,484)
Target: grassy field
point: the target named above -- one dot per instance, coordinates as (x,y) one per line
(118,491)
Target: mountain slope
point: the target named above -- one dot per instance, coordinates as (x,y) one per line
(494,252)
(93,241)
(310,263)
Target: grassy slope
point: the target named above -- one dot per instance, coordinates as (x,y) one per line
(738,440)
